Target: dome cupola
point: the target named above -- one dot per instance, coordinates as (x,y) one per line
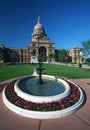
(38,31)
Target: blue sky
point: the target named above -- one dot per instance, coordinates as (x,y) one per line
(66,22)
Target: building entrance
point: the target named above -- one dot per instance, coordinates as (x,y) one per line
(42,54)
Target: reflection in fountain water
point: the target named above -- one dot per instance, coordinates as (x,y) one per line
(48,88)
(43,93)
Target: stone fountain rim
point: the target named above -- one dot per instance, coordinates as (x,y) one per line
(48,114)
(41,99)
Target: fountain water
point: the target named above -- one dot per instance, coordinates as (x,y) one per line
(43,96)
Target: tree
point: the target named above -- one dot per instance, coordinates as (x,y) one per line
(88,60)
(33,52)
(1,57)
(62,54)
(42,58)
(6,56)
(86,48)
(51,56)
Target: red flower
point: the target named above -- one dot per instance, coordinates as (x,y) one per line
(59,102)
(63,106)
(50,106)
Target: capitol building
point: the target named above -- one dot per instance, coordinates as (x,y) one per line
(39,49)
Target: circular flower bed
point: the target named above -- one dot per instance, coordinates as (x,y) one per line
(67,102)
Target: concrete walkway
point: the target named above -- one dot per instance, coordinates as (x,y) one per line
(72,65)
(77,121)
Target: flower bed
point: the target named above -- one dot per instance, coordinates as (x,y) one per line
(67,102)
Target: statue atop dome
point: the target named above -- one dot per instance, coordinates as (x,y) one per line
(39,32)
(38,19)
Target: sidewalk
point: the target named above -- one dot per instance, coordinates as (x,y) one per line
(73,65)
(77,121)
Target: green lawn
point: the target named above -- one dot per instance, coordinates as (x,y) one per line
(51,69)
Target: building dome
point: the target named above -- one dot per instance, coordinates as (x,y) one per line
(39,31)
(38,25)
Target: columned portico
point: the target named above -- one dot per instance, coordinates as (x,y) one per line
(40,46)
(37,50)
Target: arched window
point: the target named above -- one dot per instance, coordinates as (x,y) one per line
(42,53)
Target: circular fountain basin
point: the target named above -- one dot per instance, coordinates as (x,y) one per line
(53,89)
(44,115)
(31,86)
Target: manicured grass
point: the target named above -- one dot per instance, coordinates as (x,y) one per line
(66,71)
(15,71)
(51,69)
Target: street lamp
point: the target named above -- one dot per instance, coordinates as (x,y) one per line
(81,55)
(80,60)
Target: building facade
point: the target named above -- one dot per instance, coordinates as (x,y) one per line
(77,55)
(39,49)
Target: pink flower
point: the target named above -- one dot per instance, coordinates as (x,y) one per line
(59,102)
(63,106)
(49,106)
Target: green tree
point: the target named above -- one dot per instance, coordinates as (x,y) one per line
(86,48)
(42,58)
(33,52)
(1,57)
(51,56)
(62,56)
(88,60)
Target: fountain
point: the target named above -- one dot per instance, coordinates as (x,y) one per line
(40,81)
(43,96)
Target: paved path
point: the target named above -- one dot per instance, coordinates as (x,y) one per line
(72,65)
(78,121)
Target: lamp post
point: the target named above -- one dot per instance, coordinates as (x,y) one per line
(80,60)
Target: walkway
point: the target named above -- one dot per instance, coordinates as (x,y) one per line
(78,121)
(73,65)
